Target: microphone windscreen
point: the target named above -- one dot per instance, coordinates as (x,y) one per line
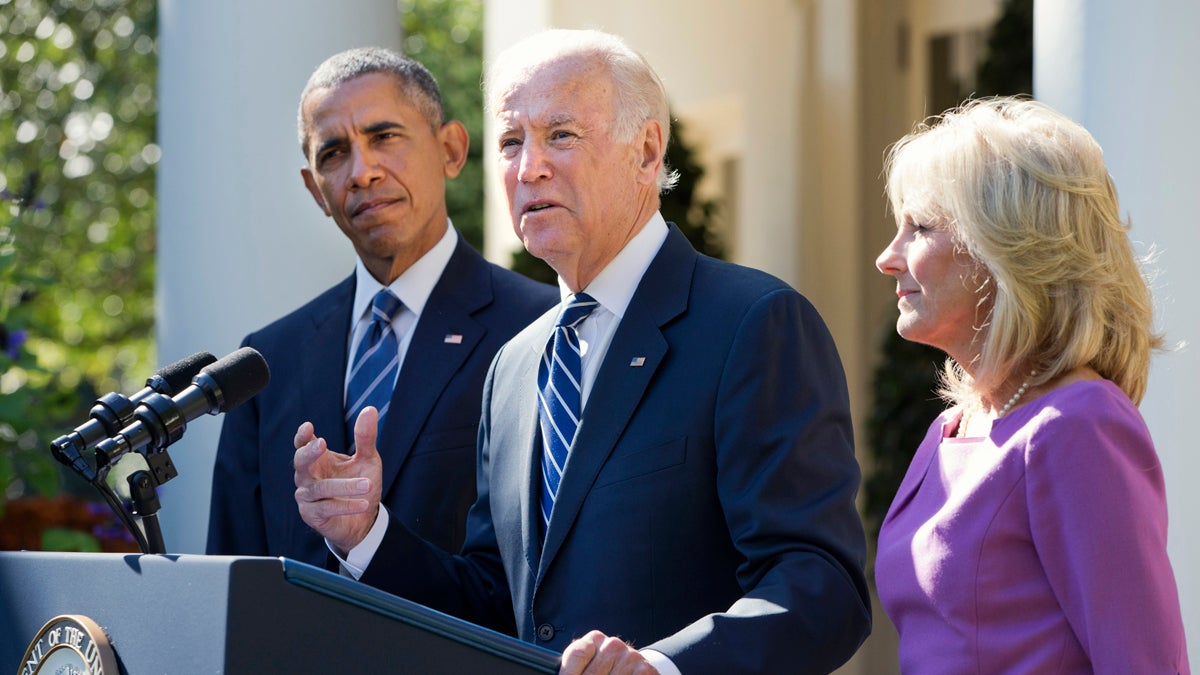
(240,375)
(179,375)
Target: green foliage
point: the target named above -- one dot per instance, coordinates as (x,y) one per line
(682,206)
(534,268)
(447,37)
(63,539)
(77,156)
(1008,68)
(904,404)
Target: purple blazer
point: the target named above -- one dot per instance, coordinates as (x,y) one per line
(1039,549)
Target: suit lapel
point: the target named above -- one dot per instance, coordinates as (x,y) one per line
(443,338)
(662,295)
(324,356)
(529,440)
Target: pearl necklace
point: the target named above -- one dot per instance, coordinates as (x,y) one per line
(962,423)
(1017,396)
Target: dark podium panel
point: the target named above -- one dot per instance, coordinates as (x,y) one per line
(225,614)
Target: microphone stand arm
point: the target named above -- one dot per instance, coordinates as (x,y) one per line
(164,424)
(145,506)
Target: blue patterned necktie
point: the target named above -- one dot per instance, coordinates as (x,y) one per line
(373,373)
(559,395)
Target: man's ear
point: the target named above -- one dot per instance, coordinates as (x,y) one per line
(650,151)
(455,142)
(311,184)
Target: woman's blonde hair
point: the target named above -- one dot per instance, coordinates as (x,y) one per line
(1028,196)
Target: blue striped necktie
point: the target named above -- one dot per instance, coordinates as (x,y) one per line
(375,365)
(559,395)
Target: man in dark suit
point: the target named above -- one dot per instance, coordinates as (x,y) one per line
(702,519)
(379,153)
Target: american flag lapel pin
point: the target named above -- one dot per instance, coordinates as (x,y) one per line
(637,362)
(453,339)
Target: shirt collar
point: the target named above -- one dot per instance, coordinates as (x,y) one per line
(415,285)
(614,287)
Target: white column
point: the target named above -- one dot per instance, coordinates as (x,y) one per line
(1127,72)
(240,241)
(770,74)
(828,246)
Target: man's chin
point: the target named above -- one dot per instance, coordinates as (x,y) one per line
(546,251)
(383,242)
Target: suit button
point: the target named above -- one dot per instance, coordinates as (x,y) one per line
(545,632)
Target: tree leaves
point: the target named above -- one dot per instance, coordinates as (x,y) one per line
(77,158)
(447,37)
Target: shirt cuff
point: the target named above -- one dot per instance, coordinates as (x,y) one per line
(356,560)
(660,662)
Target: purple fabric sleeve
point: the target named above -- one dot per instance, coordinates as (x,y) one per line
(1098,516)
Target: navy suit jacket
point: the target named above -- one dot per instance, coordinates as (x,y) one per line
(707,508)
(428,439)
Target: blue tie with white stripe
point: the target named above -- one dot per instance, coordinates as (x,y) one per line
(375,365)
(559,395)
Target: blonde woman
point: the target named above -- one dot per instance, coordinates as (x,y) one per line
(1029,534)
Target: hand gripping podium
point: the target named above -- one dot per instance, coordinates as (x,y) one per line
(185,614)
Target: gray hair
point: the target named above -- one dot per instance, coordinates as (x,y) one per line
(640,94)
(413,78)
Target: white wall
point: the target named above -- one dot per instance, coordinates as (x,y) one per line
(240,241)
(1127,72)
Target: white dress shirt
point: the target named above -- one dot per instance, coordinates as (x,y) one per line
(413,288)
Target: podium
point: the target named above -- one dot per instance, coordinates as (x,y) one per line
(230,614)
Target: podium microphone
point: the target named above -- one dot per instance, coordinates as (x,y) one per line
(113,411)
(160,421)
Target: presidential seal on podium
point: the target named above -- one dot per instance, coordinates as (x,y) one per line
(69,644)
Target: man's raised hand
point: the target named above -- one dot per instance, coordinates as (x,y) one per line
(338,495)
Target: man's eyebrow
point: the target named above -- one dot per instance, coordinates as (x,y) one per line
(374,128)
(383,125)
(329,143)
(559,119)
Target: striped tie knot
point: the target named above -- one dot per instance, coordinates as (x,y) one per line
(578,308)
(384,308)
(559,395)
(376,363)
